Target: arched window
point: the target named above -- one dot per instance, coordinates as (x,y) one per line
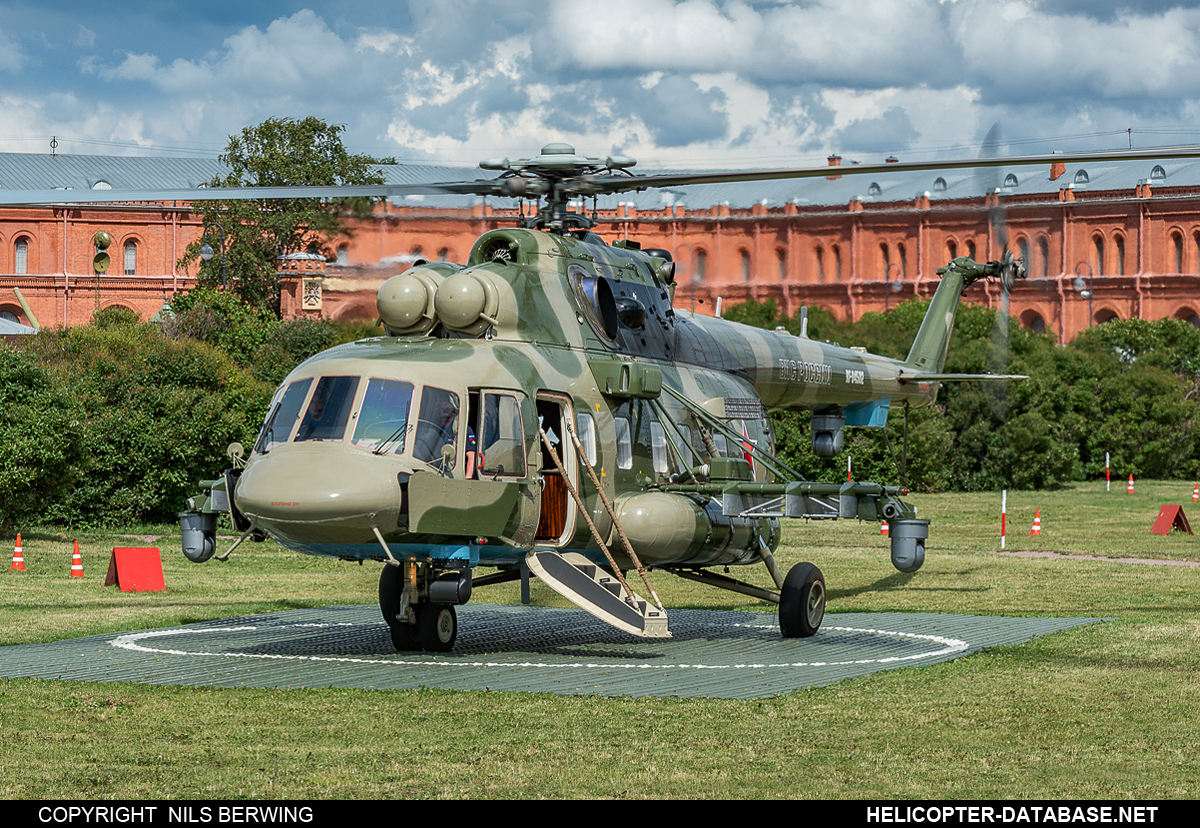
(1081,177)
(130,258)
(1098,264)
(1010,180)
(951,250)
(1119,244)
(820,264)
(903,261)
(885,260)
(1033,320)
(101,185)
(1044,251)
(1023,252)
(444,254)
(781,258)
(1188,315)
(21,256)
(874,189)
(1158,173)
(939,184)
(343,255)
(701,266)
(837,262)
(971,248)
(1177,245)
(1105,315)
(745,257)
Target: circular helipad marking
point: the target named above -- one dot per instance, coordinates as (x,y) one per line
(130,641)
(711,654)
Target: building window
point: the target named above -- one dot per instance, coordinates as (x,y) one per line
(837,263)
(701,266)
(1010,180)
(1098,241)
(1081,177)
(1177,243)
(951,250)
(874,189)
(781,258)
(130,258)
(1023,252)
(1044,250)
(444,254)
(343,256)
(745,255)
(1158,173)
(1119,242)
(939,184)
(820,264)
(21,266)
(970,249)
(903,261)
(101,185)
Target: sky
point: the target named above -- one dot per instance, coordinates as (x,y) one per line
(688,85)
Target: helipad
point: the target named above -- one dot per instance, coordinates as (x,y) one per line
(719,654)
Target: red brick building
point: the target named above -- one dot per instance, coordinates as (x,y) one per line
(1130,237)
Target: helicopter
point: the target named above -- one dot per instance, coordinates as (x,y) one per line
(543,410)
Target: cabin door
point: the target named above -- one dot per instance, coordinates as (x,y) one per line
(557,522)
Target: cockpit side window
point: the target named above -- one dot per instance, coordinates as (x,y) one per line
(501,438)
(328,410)
(282,417)
(437,426)
(382,424)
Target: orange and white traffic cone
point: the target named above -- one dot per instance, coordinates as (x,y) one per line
(1196,492)
(1037,524)
(1129,488)
(76,563)
(18,563)
(883,528)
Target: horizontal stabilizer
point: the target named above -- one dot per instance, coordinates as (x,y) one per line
(924,376)
(591,588)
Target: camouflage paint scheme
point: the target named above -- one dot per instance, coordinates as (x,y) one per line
(518,317)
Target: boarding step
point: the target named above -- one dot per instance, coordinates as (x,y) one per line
(594,589)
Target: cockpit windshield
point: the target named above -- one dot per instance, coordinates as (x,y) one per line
(382,424)
(328,410)
(282,417)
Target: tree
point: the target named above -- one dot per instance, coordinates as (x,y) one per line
(279,152)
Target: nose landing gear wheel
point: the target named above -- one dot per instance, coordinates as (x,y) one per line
(437,626)
(802,601)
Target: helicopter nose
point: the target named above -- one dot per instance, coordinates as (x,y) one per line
(299,491)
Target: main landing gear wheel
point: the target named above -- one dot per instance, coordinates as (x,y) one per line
(391,584)
(437,625)
(802,601)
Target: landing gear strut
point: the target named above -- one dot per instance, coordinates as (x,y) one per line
(414,621)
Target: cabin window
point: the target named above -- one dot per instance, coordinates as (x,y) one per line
(585,427)
(624,443)
(282,417)
(501,442)
(382,423)
(658,448)
(437,427)
(719,442)
(689,454)
(329,410)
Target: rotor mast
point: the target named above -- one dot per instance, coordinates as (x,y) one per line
(557,174)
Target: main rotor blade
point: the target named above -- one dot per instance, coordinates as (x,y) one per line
(36,197)
(620,184)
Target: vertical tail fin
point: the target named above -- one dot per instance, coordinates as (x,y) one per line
(929,349)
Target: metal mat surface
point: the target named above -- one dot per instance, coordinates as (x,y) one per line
(714,653)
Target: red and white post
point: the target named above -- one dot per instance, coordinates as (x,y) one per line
(1107,474)
(1003,516)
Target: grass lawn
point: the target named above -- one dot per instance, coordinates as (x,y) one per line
(1106,711)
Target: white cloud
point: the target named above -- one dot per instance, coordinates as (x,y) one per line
(12,56)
